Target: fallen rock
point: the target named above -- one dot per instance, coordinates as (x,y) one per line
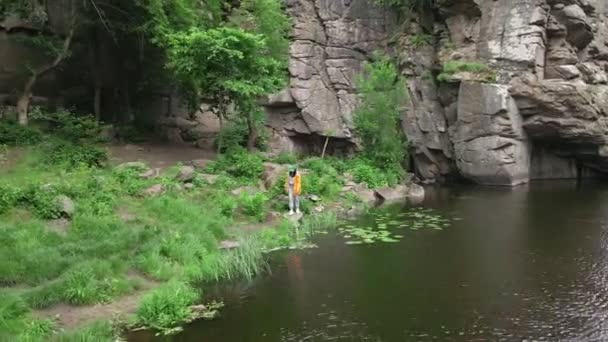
(245,189)
(314,198)
(272,173)
(65,205)
(136,165)
(209,179)
(396,193)
(188,186)
(365,195)
(319,209)
(154,190)
(294,218)
(152,173)
(415,194)
(199,164)
(186,174)
(229,244)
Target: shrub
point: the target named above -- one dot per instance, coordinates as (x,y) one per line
(168,306)
(13,134)
(254,205)
(94,281)
(240,164)
(451,68)
(96,332)
(9,195)
(377,118)
(421,39)
(285,158)
(70,126)
(71,155)
(364,171)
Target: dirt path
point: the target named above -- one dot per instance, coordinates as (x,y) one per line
(72,317)
(157,155)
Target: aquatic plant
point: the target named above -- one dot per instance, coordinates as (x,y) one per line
(384,225)
(168,306)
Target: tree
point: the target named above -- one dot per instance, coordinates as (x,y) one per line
(56,49)
(227,65)
(382,95)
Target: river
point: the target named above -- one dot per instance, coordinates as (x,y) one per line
(528,263)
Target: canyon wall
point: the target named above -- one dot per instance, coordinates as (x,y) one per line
(541,115)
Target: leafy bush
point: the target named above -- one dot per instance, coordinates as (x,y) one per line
(321,178)
(240,164)
(377,118)
(94,281)
(13,134)
(254,205)
(285,158)
(451,68)
(96,332)
(70,126)
(168,306)
(364,171)
(9,195)
(280,237)
(72,155)
(421,39)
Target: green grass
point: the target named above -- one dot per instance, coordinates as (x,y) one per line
(451,68)
(168,306)
(172,238)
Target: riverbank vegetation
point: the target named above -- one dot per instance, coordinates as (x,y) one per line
(78,231)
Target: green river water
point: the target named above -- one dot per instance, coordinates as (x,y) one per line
(474,264)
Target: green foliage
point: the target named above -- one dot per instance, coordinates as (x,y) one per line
(364,171)
(285,158)
(168,306)
(13,134)
(233,135)
(223,62)
(94,281)
(254,205)
(72,155)
(267,18)
(69,126)
(421,39)
(96,332)
(281,236)
(15,325)
(240,164)
(450,68)
(321,179)
(164,17)
(377,118)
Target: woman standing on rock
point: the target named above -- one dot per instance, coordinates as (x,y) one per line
(293,185)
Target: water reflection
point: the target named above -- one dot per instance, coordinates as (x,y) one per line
(529,263)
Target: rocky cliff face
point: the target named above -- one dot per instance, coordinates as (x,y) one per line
(542,114)
(331,39)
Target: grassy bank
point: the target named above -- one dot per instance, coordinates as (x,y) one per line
(114,239)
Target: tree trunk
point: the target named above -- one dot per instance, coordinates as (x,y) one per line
(220,140)
(253,132)
(325,147)
(97,102)
(23,105)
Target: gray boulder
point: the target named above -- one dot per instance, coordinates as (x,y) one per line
(186,174)
(65,205)
(154,190)
(392,194)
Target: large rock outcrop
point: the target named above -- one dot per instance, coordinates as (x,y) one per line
(544,115)
(331,40)
(538,110)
